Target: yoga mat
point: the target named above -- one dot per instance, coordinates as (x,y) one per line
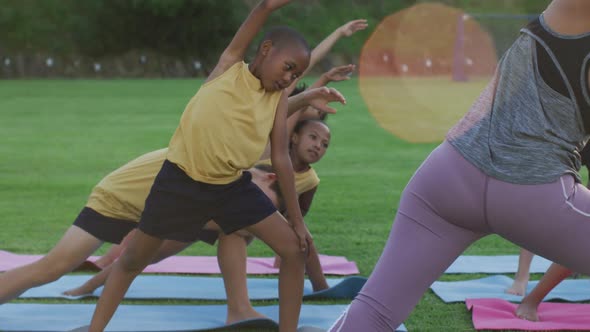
(494,264)
(332,265)
(140,318)
(571,290)
(497,314)
(146,287)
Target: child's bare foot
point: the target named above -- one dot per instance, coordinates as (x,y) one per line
(518,287)
(527,311)
(236,316)
(79,291)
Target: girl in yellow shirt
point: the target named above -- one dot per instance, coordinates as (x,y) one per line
(309,142)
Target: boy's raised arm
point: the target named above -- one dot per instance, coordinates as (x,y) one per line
(320,51)
(236,49)
(346,30)
(279,155)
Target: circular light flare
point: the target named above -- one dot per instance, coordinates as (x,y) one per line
(408,95)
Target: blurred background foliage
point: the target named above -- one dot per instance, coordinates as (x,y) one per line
(194,29)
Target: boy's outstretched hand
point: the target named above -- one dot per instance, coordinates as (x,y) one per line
(339,73)
(320,97)
(353,26)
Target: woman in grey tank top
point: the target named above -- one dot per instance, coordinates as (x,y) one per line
(509,167)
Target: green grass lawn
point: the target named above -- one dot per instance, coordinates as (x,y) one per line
(60,137)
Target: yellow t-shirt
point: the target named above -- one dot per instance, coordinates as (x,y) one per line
(225,127)
(122,193)
(304,181)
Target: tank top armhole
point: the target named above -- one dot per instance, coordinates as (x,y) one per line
(547,71)
(572,95)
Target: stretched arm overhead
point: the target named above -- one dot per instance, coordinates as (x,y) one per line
(347,30)
(236,49)
(336,74)
(320,51)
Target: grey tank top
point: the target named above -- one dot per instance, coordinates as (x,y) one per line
(520,129)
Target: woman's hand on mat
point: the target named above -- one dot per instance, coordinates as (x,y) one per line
(353,26)
(340,73)
(320,97)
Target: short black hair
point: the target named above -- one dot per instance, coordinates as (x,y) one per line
(301,124)
(282,36)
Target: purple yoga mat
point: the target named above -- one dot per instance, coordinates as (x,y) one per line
(333,265)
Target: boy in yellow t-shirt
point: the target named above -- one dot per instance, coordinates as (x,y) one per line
(223,131)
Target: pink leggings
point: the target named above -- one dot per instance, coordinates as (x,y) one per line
(447,205)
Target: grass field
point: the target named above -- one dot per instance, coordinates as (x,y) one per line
(60,137)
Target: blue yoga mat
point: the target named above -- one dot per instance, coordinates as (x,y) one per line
(494,264)
(571,290)
(144,318)
(197,288)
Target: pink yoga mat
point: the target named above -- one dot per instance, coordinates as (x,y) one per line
(497,314)
(333,265)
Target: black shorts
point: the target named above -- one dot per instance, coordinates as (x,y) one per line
(178,207)
(113,230)
(104,228)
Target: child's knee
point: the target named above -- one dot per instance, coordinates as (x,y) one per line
(291,250)
(245,235)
